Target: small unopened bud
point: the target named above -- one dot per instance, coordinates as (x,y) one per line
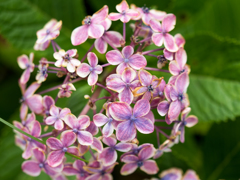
(86,96)
(135,141)
(161,62)
(60,74)
(122,42)
(76,56)
(92,105)
(45,128)
(55,133)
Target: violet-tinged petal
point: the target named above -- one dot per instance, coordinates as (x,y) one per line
(144,77)
(83,149)
(71,121)
(167,91)
(92,59)
(36,129)
(25,76)
(83,121)
(95,30)
(163,108)
(150,116)
(70,171)
(126,96)
(181,57)
(107,129)
(92,78)
(156,14)
(92,128)
(180,41)
(28,150)
(83,70)
(35,103)
(73,150)
(31,168)
(182,82)
(23,110)
(121,67)
(190,175)
(168,55)
(174,110)
(127,51)
(191,121)
(85,138)
(64,112)
(146,152)
(54,111)
(158,39)
(182,135)
(174,94)
(113,37)
(54,143)
(68,138)
(100,15)
(132,13)
(100,119)
(79,35)
(52,171)
(38,155)
(120,111)
(23,61)
(31,89)
(149,167)
(137,61)
(78,164)
(168,22)
(55,158)
(98,69)
(123,6)
(125,18)
(128,168)
(110,141)
(144,125)
(155,25)
(108,156)
(174,68)
(129,158)
(123,147)
(47,102)
(94,177)
(169,43)
(114,57)
(114,16)
(100,45)
(140,90)
(128,75)
(141,108)
(126,131)
(97,145)
(116,84)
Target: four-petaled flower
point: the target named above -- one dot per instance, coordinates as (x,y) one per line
(161,34)
(92,70)
(91,27)
(33,167)
(123,84)
(66,59)
(109,154)
(56,117)
(141,161)
(26,63)
(60,147)
(132,119)
(126,59)
(42,72)
(66,90)
(125,14)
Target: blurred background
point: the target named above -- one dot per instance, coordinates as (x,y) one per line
(212,32)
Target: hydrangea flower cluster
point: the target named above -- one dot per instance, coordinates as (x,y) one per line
(134,93)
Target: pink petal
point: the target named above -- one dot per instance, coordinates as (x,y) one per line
(144,125)
(92,78)
(47,102)
(123,6)
(55,158)
(132,13)
(146,17)
(113,37)
(114,57)
(97,145)
(169,22)
(100,15)
(114,16)
(31,168)
(106,24)
(28,150)
(68,138)
(73,150)
(95,30)
(92,59)
(23,61)
(92,128)
(98,69)
(150,116)
(35,103)
(144,77)
(121,67)
(100,45)
(79,35)
(94,177)
(180,41)
(23,111)
(191,121)
(108,156)
(31,89)
(116,84)
(83,121)
(36,129)
(52,170)
(157,39)
(123,147)
(141,108)
(159,15)
(110,141)
(64,112)
(167,91)
(129,159)
(71,121)
(174,68)
(190,175)
(137,61)
(54,143)
(174,110)
(100,119)
(127,51)
(85,138)
(78,164)
(120,111)
(168,55)
(54,111)
(107,129)
(25,76)
(169,43)
(146,152)
(107,177)
(126,96)
(38,155)
(126,131)
(128,168)
(181,57)
(163,108)
(128,75)
(125,18)
(83,70)
(155,25)
(71,67)
(174,94)
(149,167)
(182,82)
(83,149)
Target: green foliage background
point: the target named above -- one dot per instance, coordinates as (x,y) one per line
(212,32)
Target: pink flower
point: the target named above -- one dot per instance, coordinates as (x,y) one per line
(132,119)
(109,154)
(162,36)
(42,72)
(78,126)
(141,161)
(126,59)
(60,147)
(47,103)
(56,117)
(158,94)
(91,27)
(66,90)
(33,167)
(173,174)
(49,32)
(189,121)
(123,84)
(149,85)
(26,63)
(66,59)
(113,37)
(92,70)
(31,100)
(35,130)
(146,14)
(125,14)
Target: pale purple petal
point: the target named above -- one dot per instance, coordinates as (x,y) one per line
(114,57)
(64,112)
(137,61)
(54,111)
(52,170)
(126,96)
(132,13)
(155,25)
(125,18)
(54,143)
(92,59)
(146,152)
(73,150)
(121,67)
(182,82)
(150,116)
(174,110)
(190,175)
(100,15)
(31,168)
(79,35)
(98,69)
(107,129)
(55,158)
(180,41)
(181,57)
(146,17)
(92,78)
(126,131)
(174,68)
(92,128)
(114,16)
(167,91)
(128,75)
(168,22)
(23,61)
(38,155)
(94,177)
(114,37)
(123,6)
(123,147)
(25,76)
(100,119)
(23,111)
(168,55)
(163,108)
(83,149)
(68,138)
(95,30)
(100,45)
(35,103)
(116,84)
(141,108)
(110,141)
(83,121)
(140,91)
(97,145)
(83,70)
(127,51)
(174,94)
(71,121)
(108,156)
(169,43)
(145,77)
(85,138)
(149,167)
(120,111)
(36,129)
(156,14)
(128,168)
(191,121)
(31,89)
(158,39)
(28,150)
(129,158)
(182,135)
(144,125)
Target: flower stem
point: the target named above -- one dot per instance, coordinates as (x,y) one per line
(152,55)
(53,72)
(156,69)
(146,39)
(54,68)
(124,32)
(90,49)
(160,120)
(98,84)
(150,51)
(163,133)
(53,45)
(105,65)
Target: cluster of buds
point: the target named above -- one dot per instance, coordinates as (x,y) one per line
(133,93)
